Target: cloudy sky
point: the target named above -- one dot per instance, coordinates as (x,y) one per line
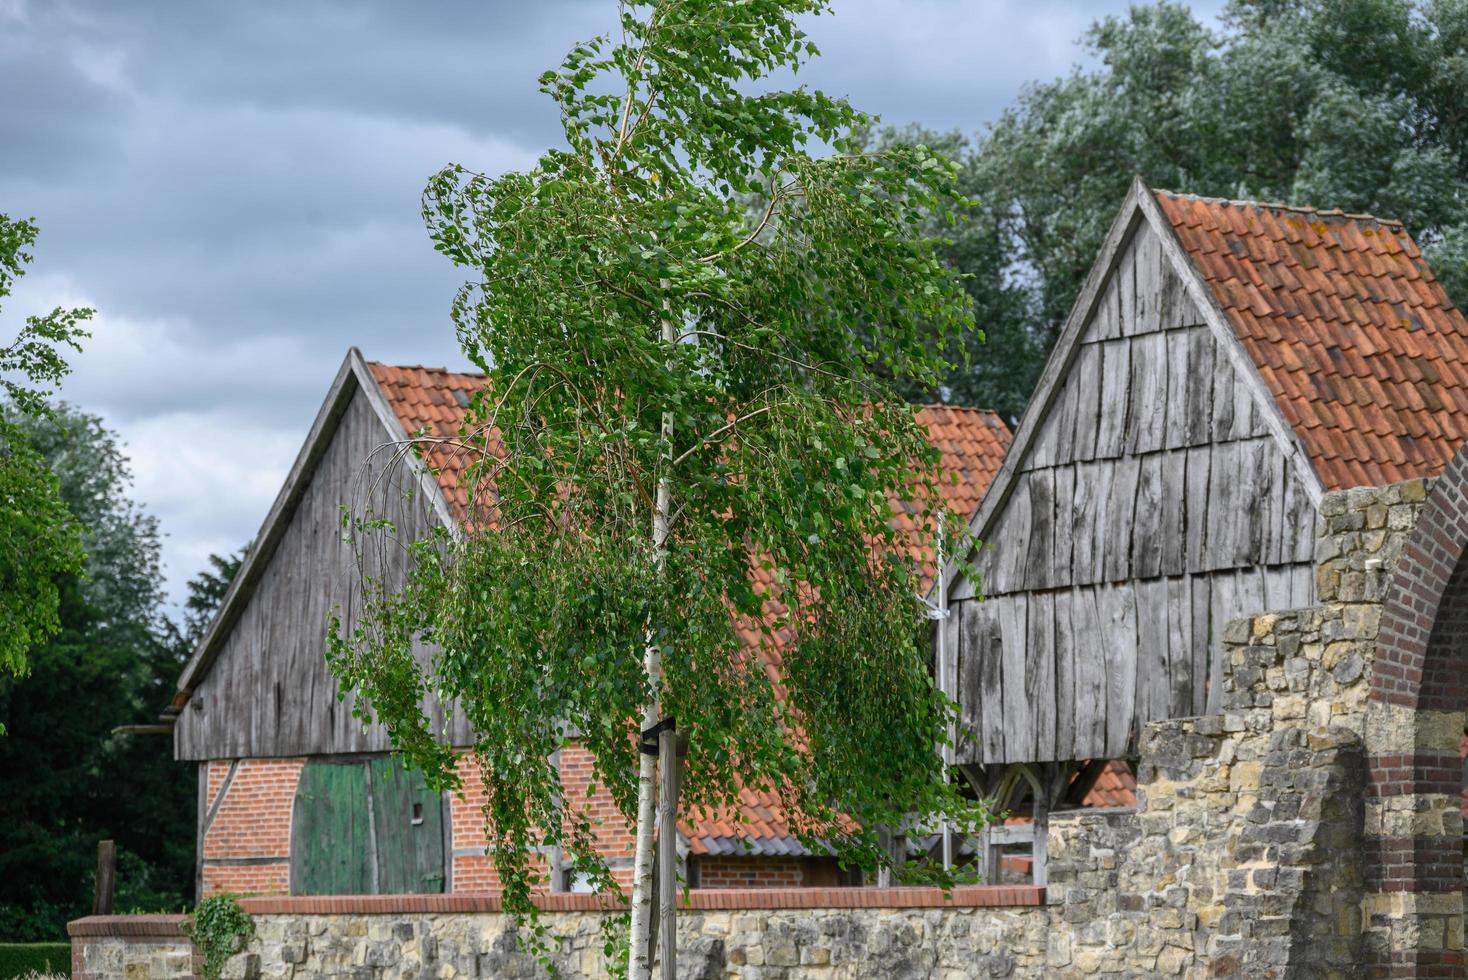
(234,186)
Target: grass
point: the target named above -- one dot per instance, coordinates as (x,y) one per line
(33,961)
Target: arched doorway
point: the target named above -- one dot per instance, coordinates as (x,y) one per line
(1413,908)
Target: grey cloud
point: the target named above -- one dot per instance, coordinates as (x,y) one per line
(235,186)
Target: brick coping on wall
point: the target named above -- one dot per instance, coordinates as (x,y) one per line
(970,896)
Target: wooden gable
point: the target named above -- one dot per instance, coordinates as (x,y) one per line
(1152,494)
(259,685)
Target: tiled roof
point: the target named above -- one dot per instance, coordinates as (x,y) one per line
(434,402)
(1116,786)
(1361,347)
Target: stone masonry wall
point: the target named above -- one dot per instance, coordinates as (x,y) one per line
(1243,856)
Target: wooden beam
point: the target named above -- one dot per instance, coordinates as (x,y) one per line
(106,882)
(1084,781)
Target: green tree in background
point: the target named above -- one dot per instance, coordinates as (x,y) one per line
(1353,104)
(38,538)
(68,781)
(684,398)
(206,593)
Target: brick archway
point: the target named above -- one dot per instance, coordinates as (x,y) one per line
(1419,691)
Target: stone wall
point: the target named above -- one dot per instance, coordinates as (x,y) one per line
(1243,856)
(804,933)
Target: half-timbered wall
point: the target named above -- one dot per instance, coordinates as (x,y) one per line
(1152,506)
(269,692)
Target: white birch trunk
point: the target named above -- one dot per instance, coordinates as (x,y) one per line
(639,966)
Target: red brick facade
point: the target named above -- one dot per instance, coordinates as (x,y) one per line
(247,837)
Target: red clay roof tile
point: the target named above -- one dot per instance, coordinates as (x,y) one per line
(1306,281)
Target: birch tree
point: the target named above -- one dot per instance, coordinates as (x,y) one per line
(693,316)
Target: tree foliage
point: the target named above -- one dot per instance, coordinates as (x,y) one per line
(38,539)
(1353,104)
(768,433)
(68,780)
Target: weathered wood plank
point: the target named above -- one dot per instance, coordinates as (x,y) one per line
(1198,408)
(1082,531)
(1147,524)
(1146,256)
(1174,533)
(1179,384)
(1204,692)
(1118,612)
(1041,549)
(1225,400)
(1039,667)
(1111,428)
(1152,646)
(1221,606)
(1019,729)
(1013,545)
(973,652)
(1090,644)
(1224,520)
(1147,415)
(1120,513)
(1062,563)
(991,636)
(1065,675)
(1179,668)
(1086,377)
(1176,309)
(1126,289)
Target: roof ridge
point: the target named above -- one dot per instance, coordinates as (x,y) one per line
(1280,206)
(958,408)
(429,368)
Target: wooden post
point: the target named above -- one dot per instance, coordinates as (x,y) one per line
(106,877)
(668,852)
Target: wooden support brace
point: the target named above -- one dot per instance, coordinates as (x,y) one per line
(106,883)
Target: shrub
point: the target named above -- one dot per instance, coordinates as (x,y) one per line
(23,959)
(220,928)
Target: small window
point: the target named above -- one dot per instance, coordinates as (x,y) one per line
(417,814)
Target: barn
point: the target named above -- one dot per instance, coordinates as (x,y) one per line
(1226,365)
(295,796)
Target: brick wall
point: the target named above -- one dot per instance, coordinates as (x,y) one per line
(751,872)
(247,843)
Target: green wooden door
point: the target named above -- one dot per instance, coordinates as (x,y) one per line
(408,819)
(330,833)
(366,826)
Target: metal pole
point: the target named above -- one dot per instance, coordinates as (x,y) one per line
(668,852)
(943,683)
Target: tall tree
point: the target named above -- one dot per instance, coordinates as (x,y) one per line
(206,593)
(38,538)
(68,780)
(683,404)
(1355,104)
